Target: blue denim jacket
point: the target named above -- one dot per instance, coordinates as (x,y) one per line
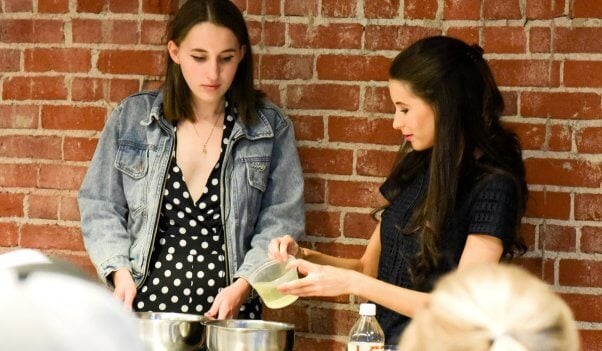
(120,198)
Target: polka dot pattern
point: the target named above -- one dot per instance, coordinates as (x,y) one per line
(188,266)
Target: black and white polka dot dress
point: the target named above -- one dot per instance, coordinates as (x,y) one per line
(188,265)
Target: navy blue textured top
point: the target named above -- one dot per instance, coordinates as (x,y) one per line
(486,204)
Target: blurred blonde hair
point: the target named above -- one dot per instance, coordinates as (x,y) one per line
(493,307)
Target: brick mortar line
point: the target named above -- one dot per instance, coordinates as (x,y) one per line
(589,326)
(567,289)
(348,146)
(70,16)
(563,21)
(556,256)
(308,51)
(335,208)
(59,103)
(556,121)
(562,155)
(20,221)
(384,84)
(341,239)
(564,189)
(369,115)
(39,191)
(563,222)
(69,76)
(343,177)
(42,162)
(51,132)
(22,46)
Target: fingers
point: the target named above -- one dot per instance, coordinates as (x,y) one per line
(125,288)
(213,311)
(303,267)
(287,241)
(223,307)
(301,287)
(274,249)
(221,311)
(119,294)
(226,312)
(280,248)
(129,298)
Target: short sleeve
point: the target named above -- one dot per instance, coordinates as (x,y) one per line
(494,209)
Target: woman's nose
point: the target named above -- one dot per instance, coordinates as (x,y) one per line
(398,121)
(213,70)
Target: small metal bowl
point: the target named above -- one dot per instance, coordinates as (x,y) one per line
(171,331)
(249,335)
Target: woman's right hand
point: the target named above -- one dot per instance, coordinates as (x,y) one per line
(280,248)
(125,288)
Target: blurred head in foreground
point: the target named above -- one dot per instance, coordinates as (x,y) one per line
(45,307)
(492,308)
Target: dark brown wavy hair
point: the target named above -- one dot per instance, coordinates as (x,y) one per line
(176,93)
(455,80)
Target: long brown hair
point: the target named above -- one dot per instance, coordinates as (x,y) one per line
(176,93)
(455,80)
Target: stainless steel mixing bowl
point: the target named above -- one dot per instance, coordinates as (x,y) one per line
(249,335)
(171,331)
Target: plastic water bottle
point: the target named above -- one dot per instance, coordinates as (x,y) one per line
(366,334)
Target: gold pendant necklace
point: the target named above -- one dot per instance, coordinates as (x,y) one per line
(204,149)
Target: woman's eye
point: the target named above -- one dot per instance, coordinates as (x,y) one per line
(227,58)
(403,110)
(198,58)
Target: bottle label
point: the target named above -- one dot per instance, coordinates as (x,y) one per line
(365,346)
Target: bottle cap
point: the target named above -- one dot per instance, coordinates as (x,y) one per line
(368,309)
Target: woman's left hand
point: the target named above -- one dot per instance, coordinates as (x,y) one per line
(228,302)
(319,280)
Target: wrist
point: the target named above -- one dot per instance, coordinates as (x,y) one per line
(243,286)
(120,273)
(354,283)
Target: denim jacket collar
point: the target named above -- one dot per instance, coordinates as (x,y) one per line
(258,130)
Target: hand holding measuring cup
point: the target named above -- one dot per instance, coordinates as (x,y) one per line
(268,276)
(280,248)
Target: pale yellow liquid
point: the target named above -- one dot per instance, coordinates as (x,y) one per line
(272,297)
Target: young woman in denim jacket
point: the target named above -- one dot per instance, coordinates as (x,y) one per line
(455,196)
(188,185)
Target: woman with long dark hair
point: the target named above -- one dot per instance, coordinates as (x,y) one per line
(455,196)
(189,184)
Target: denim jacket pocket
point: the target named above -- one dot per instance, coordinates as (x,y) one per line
(258,169)
(132,159)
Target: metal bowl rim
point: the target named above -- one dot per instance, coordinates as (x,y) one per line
(219,324)
(171,317)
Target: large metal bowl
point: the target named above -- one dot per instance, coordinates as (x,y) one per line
(171,331)
(249,335)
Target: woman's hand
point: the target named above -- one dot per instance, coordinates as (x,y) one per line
(125,288)
(280,248)
(320,280)
(228,302)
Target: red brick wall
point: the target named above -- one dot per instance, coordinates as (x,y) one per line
(65,63)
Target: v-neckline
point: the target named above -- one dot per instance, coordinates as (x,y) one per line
(185,184)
